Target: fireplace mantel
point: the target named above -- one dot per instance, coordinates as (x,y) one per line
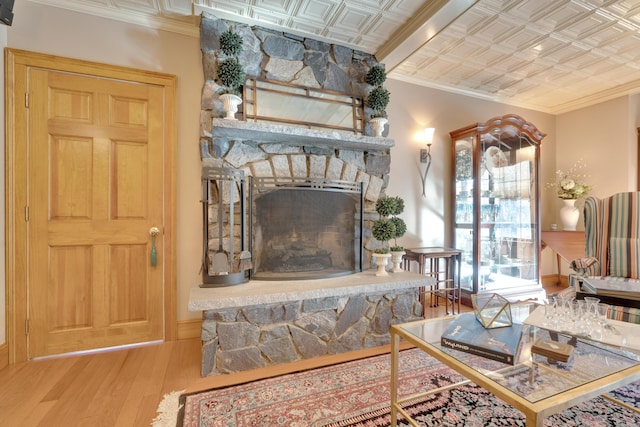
(261,132)
(257,292)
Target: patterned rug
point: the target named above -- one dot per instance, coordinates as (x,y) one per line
(356,394)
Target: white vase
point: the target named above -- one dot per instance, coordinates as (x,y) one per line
(230,102)
(396,259)
(569,215)
(381,262)
(378,125)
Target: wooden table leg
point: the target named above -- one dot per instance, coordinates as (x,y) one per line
(533,420)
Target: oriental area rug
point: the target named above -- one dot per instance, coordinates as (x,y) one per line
(357,394)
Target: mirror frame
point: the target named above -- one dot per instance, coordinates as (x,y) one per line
(326,100)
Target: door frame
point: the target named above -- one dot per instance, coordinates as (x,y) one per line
(16,183)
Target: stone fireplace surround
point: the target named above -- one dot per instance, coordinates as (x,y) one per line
(260,323)
(278,151)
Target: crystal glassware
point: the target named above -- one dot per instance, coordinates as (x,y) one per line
(602,312)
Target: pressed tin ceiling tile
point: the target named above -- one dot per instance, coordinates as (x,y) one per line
(541,54)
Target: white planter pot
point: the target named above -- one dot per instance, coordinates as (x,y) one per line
(378,125)
(396,259)
(381,261)
(230,102)
(569,215)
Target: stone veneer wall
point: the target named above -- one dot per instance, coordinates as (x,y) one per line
(238,339)
(289,58)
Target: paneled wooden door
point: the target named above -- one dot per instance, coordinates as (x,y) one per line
(96,164)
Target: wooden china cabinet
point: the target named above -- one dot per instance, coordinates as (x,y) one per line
(496,206)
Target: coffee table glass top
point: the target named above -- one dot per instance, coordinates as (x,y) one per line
(532,377)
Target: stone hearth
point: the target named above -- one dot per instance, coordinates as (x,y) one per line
(264,323)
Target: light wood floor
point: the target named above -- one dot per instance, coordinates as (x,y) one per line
(122,387)
(119,387)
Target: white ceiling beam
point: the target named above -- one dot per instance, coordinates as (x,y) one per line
(433,17)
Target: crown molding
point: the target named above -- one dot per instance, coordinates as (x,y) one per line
(467,92)
(186,24)
(630,88)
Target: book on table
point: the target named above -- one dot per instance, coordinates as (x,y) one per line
(465,333)
(613,287)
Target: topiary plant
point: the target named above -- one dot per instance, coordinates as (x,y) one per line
(376,76)
(378,98)
(384,228)
(230,72)
(230,75)
(230,43)
(400,225)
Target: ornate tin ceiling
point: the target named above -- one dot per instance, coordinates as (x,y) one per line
(548,55)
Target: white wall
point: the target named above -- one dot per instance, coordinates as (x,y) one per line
(603,136)
(414,108)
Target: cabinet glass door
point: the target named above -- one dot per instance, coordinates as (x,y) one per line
(496,209)
(464,209)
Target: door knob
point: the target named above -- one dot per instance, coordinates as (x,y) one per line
(154,231)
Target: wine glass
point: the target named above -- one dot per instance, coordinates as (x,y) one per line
(591,309)
(602,315)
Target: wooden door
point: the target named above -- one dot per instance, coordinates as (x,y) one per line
(96,162)
(96,185)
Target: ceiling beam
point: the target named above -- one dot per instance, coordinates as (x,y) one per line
(429,20)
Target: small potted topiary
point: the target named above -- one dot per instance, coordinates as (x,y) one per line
(397,251)
(230,72)
(383,230)
(378,98)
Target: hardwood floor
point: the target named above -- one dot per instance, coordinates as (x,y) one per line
(119,387)
(123,387)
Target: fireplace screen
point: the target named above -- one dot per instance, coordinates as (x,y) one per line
(305,228)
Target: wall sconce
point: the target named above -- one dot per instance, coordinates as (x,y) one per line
(425,157)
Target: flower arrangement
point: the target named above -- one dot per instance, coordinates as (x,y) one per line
(571,185)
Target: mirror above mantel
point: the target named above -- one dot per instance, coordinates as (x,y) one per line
(276,102)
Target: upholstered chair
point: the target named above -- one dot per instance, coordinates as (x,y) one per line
(612,250)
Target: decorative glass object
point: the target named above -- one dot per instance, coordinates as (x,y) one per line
(492,310)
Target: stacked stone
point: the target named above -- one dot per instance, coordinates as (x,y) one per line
(239,339)
(290,58)
(284,57)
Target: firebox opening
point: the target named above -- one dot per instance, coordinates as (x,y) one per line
(305,231)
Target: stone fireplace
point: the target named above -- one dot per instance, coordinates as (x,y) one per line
(278,152)
(270,320)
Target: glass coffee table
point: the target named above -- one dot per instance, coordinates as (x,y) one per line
(535,385)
